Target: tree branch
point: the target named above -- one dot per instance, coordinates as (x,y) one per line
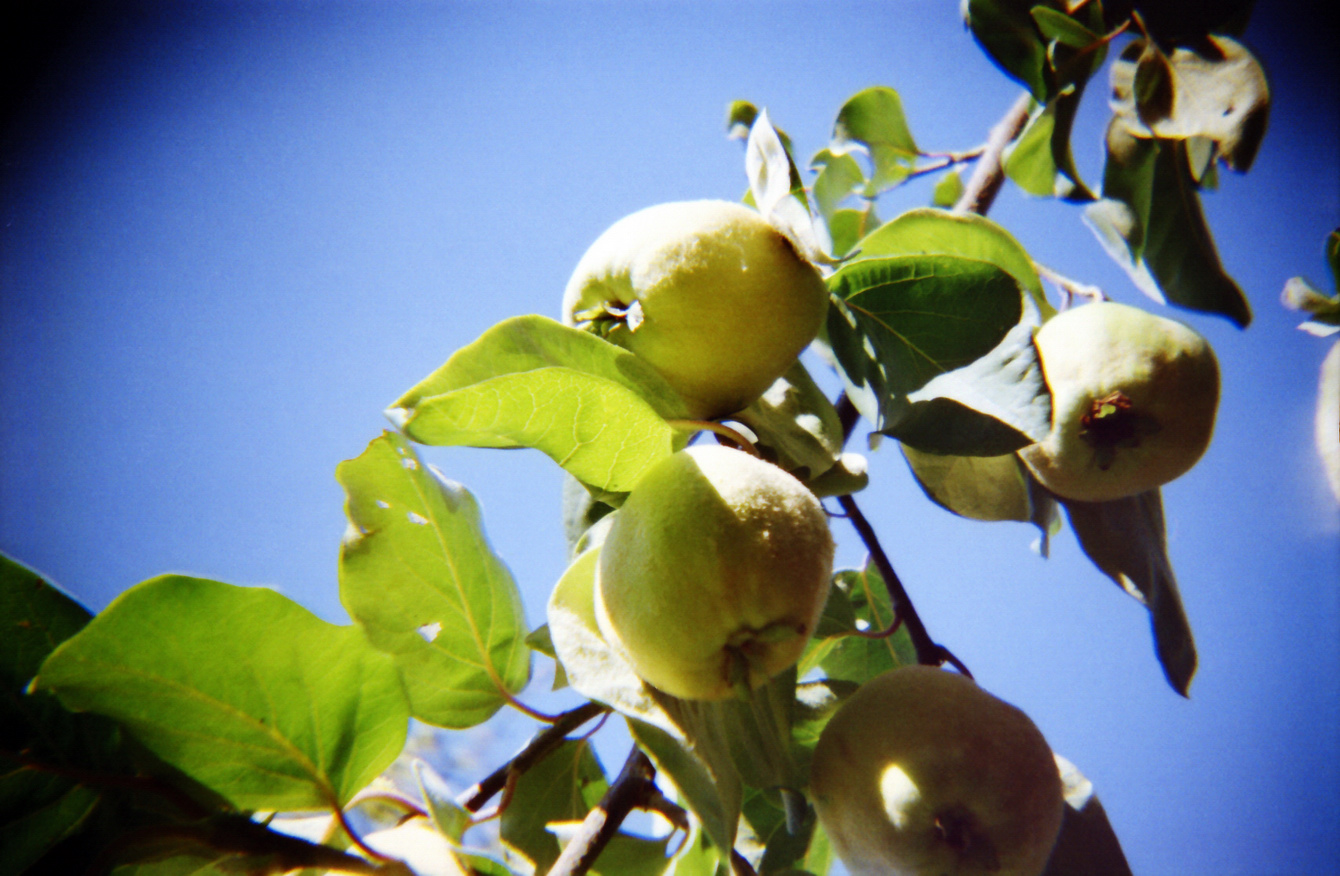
(534,752)
(989,173)
(633,789)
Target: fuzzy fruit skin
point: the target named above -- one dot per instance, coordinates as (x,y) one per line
(727,304)
(1167,371)
(711,546)
(923,773)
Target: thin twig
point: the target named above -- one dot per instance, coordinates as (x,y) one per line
(1068,287)
(534,752)
(989,173)
(631,790)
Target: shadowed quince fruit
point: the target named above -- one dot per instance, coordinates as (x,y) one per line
(923,773)
(713,573)
(707,293)
(1133,402)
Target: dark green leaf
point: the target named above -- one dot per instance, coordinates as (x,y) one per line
(241,688)
(1087,845)
(1151,223)
(562,787)
(714,796)
(417,572)
(740,115)
(1054,24)
(857,654)
(594,408)
(1006,30)
(1125,539)
(872,121)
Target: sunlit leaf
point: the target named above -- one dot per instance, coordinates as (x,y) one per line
(1151,223)
(417,572)
(927,231)
(593,407)
(847,226)
(839,177)
(779,193)
(1216,90)
(872,122)
(562,787)
(1041,161)
(1126,540)
(796,424)
(240,688)
(947,190)
(1087,845)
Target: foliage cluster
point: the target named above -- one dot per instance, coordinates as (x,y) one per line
(172,732)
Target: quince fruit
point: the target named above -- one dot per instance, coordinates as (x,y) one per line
(1134,397)
(707,293)
(923,773)
(713,573)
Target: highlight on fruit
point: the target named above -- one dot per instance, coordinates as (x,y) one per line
(707,293)
(923,773)
(1134,397)
(713,573)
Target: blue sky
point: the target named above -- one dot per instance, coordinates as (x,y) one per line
(232,233)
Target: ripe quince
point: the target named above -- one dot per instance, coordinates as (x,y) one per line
(923,773)
(1134,397)
(707,293)
(713,573)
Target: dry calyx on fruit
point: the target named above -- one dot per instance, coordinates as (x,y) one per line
(923,773)
(707,293)
(1134,397)
(713,573)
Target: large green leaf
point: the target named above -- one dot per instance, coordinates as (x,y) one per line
(1151,223)
(937,351)
(928,231)
(594,408)
(1126,540)
(562,787)
(417,572)
(242,689)
(872,121)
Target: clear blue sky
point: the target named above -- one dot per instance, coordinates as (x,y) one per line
(232,233)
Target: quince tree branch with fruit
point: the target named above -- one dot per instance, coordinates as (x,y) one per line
(784,714)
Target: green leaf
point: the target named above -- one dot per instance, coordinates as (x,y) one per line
(857,654)
(1327,428)
(596,409)
(797,426)
(840,176)
(926,231)
(1324,311)
(935,343)
(1125,539)
(1041,161)
(242,689)
(1216,90)
(740,115)
(948,190)
(1055,25)
(715,797)
(872,121)
(417,572)
(562,787)
(1087,845)
(976,487)
(1007,32)
(1151,223)
(846,227)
